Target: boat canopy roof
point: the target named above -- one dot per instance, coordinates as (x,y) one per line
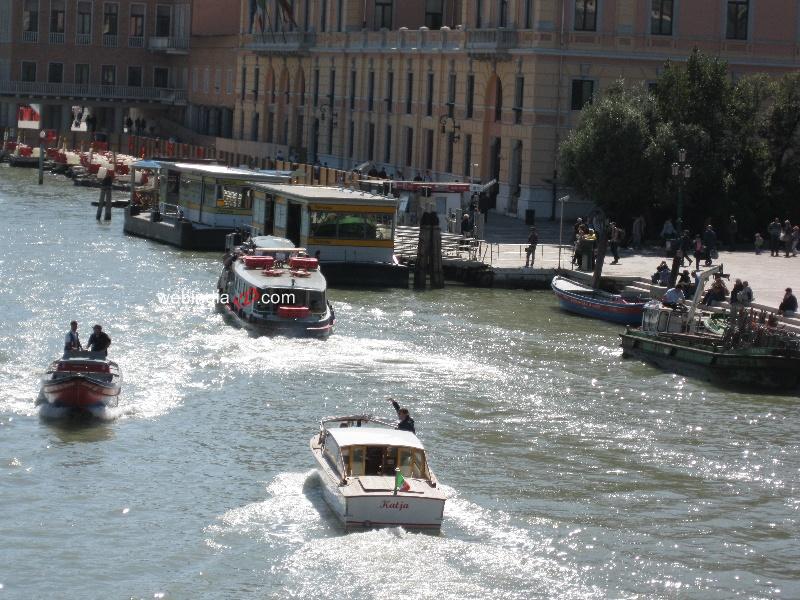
(273,242)
(315,281)
(374,436)
(317,193)
(218,171)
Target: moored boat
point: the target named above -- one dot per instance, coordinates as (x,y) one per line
(374,475)
(749,349)
(82,380)
(581,299)
(268,286)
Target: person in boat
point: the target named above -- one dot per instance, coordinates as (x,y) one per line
(718,292)
(788,306)
(71,341)
(674,296)
(99,341)
(406,423)
(746,294)
(662,273)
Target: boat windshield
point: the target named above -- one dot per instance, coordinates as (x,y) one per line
(382,460)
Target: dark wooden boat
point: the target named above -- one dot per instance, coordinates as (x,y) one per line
(82,380)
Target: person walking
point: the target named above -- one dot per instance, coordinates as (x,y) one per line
(698,250)
(530,251)
(786,237)
(638,232)
(615,238)
(758,242)
(733,230)
(710,242)
(774,232)
(685,247)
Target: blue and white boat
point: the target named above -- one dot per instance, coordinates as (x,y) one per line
(583,300)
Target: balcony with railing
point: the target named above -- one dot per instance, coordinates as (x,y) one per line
(110,40)
(56,37)
(168,45)
(136,41)
(37,89)
(30,36)
(491,41)
(83,39)
(281,42)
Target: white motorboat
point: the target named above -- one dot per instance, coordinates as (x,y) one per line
(374,475)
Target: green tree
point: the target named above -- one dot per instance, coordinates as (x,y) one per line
(617,154)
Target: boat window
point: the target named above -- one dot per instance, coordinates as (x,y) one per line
(663,320)
(191,188)
(316,302)
(373,461)
(412,462)
(210,192)
(357,460)
(351,226)
(332,454)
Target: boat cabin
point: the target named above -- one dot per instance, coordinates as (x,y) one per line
(374,451)
(207,194)
(343,225)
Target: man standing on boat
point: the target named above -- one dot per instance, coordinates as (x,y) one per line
(406,423)
(99,341)
(71,341)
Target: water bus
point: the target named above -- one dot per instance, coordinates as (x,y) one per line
(269,286)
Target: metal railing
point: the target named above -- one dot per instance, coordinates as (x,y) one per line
(56,37)
(162,44)
(135,41)
(30,36)
(83,39)
(110,40)
(491,39)
(122,92)
(283,40)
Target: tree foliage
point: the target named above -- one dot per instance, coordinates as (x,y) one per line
(741,137)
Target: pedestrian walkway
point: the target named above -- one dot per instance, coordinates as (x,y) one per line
(501,229)
(768,276)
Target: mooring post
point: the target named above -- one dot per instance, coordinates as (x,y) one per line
(437,275)
(41,156)
(423,249)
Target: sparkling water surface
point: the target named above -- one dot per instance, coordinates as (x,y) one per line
(570,472)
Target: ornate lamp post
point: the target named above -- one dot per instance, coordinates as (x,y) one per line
(681,171)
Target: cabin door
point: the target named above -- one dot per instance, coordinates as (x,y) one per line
(268,216)
(293,217)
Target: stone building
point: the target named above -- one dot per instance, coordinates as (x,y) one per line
(471,89)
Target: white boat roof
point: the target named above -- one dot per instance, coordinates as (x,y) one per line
(317,193)
(374,436)
(219,171)
(315,280)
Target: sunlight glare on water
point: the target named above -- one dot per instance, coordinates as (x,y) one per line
(570,473)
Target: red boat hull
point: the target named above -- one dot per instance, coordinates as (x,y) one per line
(79,391)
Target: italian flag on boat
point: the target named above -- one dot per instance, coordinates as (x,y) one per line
(400,482)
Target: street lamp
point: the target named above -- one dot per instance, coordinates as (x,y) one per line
(681,171)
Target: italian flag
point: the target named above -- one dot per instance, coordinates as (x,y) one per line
(400,482)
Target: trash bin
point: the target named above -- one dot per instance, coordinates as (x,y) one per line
(530,216)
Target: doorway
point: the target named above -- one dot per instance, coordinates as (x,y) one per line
(293,217)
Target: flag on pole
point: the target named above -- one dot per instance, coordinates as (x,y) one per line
(400,482)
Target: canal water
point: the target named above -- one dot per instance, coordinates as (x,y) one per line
(571,473)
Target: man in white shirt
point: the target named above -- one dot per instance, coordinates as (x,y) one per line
(71,340)
(674,296)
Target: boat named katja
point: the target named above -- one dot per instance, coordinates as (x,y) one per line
(374,475)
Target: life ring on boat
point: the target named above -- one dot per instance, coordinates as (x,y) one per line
(300,274)
(272,272)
